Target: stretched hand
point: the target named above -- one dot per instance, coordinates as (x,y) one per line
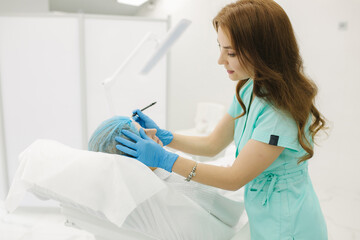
(146,150)
(165,136)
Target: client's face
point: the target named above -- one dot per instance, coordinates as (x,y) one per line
(150,132)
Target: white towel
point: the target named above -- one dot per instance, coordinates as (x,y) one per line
(105,184)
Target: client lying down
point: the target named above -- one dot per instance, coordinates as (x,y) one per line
(119,190)
(183,210)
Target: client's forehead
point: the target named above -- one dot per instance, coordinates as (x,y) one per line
(137,126)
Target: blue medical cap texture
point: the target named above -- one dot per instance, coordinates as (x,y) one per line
(103,138)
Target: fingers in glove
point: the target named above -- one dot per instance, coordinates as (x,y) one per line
(136,117)
(141,115)
(131,135)
(135,111)
(127,150)
(126,142)
(143,134)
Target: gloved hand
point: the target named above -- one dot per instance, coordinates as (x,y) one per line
(146,150)
(165,136)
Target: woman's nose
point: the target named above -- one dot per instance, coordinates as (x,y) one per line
(221,60)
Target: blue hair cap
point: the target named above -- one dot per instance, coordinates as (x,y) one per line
(103,138)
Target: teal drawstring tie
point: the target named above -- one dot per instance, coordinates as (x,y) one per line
(273,179)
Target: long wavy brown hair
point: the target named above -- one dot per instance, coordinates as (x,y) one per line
(263,39)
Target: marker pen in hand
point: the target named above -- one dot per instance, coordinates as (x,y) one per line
(144,108)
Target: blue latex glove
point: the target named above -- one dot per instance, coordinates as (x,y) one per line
(146,150)
(165,136)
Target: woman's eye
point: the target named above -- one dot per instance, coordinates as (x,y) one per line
(231,54)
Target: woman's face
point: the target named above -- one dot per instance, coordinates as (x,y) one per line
(150,132)
(229,59)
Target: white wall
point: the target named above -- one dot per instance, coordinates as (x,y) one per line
(4,183)
(14,6)
(23,6)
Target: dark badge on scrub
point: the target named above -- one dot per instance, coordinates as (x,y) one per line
(274,139)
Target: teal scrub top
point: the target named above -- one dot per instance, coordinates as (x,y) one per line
(281,203)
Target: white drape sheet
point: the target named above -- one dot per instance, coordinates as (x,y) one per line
(104,184)
(125,192)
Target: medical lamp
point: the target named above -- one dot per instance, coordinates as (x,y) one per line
(161,48)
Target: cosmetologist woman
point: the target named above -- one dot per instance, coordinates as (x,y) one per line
(272,119)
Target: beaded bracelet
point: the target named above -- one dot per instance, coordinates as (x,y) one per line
(192,173)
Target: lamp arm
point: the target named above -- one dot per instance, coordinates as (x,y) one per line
(110,80)
(170,38)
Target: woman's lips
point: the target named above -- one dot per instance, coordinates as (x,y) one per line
(230,72)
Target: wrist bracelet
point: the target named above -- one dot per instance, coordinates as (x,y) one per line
(192,173)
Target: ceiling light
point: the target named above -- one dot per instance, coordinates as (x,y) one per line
(135,3)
